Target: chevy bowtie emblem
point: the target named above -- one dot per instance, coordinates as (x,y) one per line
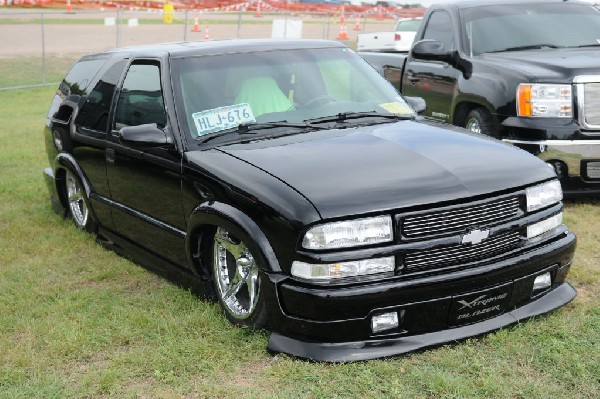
(475,236)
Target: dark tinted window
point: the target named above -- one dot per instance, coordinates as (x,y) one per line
(439,28)
(95,111)
(82,73)
(141,99)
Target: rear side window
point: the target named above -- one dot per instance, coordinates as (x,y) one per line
(80,76)
(94,113)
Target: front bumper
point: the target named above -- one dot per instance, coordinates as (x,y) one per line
(576,162)
(326,323)
(365,350)
(573,152)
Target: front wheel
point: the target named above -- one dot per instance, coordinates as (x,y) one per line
(78,206)
(237,281)
(479,120)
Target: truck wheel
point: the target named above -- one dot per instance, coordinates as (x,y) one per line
(78,204)
(237,280)
(479,120)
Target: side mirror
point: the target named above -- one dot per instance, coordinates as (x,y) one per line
(430,50)
(148,135)
(417,103)
(433,50)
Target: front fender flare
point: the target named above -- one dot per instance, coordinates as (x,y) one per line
(231,218)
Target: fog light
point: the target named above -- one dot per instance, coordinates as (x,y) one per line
(384,321)
(542,282)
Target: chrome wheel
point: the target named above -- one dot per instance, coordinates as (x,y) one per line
(473,125)
(236,275)
(77,204)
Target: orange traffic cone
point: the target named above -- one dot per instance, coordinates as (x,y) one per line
(343,35)
(257,15)
(357,24)
(206,33)
(69,8)
(196,27)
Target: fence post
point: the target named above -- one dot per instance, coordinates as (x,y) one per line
(185,25)
(365,23)
(239,27)
(43,51)
(328,21)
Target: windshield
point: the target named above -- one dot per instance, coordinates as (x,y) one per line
(506,27)
(219,92)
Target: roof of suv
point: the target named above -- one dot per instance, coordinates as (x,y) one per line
(182,49)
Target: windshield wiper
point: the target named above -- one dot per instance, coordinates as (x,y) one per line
(343,116)
(528,47)
(253,128)
(588,45)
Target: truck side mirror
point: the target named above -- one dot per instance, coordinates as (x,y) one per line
(143,136)
(433,50)
(430,50)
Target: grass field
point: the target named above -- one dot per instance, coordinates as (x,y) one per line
(78,321)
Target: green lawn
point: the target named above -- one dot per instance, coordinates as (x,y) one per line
(78,321)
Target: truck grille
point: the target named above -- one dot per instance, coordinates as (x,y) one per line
(457,220)
(459,254)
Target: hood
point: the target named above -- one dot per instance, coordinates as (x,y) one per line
(560,65)
(383,167)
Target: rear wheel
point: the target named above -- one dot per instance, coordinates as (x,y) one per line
(78,206)
(479,120)
(237,282)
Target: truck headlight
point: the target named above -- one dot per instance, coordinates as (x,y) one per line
(539,228)
(313,271)
(543,195)
(545,100)
(350,233)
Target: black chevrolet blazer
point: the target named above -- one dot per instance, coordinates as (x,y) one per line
(290,182)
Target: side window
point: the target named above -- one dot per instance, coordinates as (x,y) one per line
(439,27)
(141,98)
(95,111)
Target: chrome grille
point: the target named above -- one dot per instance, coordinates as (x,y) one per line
(459,254)
(593,170)
(459,219)
(591,108)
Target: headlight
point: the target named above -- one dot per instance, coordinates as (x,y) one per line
(545,225)
(543,195)
(349,233)
(545,100)
(313,271)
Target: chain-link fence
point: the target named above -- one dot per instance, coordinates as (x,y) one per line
(37,48)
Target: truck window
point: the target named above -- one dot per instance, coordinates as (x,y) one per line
(439,27)
(94,113)
(141,99)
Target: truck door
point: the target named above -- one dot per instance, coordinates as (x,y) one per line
(434,81)
(145,183)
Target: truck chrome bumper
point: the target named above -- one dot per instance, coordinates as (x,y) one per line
(570,158)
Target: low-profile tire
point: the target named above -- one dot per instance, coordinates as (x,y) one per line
(479,120)
(77,202)
(236,279)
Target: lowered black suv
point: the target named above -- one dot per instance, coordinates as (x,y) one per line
(291,182)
